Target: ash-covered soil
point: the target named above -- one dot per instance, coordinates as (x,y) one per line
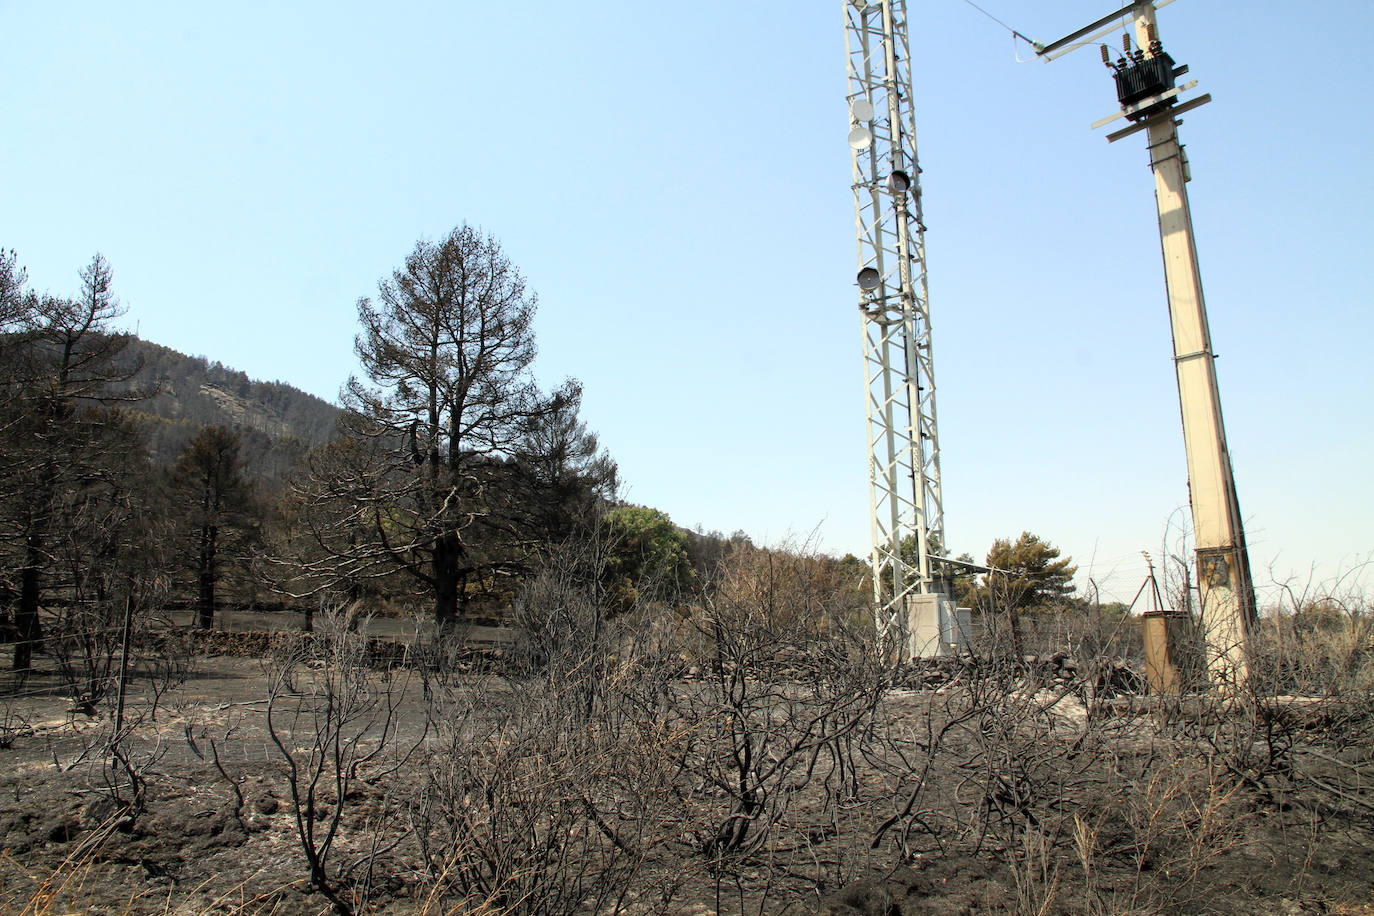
(944,801)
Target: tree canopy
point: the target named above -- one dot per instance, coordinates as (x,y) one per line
(1028,573)
(648,555)
(456,465)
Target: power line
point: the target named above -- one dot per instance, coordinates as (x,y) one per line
(1030,41)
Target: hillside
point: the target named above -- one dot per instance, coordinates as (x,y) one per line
(278,423)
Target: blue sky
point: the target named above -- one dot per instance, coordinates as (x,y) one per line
(673,181)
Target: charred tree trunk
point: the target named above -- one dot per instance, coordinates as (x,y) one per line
(448,580)
(205,599)
(26,621)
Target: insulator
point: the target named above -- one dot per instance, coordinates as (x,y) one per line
(1151,35)
(1106,56)
(1126,42)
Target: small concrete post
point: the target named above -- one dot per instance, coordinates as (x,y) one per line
(1169,650)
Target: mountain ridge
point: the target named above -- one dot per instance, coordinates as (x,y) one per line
(277,422)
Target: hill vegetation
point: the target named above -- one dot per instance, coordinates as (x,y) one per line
(276,422)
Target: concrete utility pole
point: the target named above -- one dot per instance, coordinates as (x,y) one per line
(1146,88)
(914,614)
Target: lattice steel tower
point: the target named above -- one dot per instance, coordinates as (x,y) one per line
(904,450)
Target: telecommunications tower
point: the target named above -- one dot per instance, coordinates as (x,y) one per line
(913,613)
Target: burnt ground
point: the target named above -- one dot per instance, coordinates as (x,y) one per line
(1012,812)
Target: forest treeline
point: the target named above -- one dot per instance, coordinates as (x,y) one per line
(136,478)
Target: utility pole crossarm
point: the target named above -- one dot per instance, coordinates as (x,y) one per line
(1088,34)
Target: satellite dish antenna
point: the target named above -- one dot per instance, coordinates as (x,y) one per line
(860,138)
(869,278)
(862,109)
(898,182)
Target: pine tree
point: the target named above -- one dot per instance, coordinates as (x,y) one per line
(1027,574)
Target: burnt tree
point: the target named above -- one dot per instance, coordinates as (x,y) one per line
(445,470)
(59,367)
(216,503)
